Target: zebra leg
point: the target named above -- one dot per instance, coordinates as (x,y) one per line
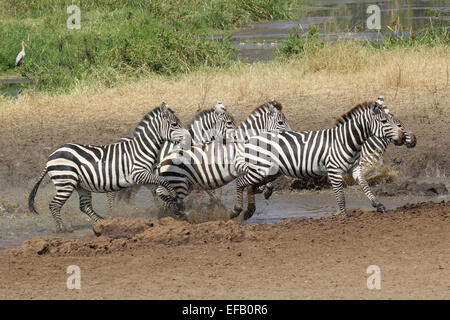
(146,177)
(251,207)
(176,207)
(241,184)
(358,175)
(268,190)
(238,205)
(86,204)
(63,192)
(110,197)
(212,196)
(338,188)
(131,199)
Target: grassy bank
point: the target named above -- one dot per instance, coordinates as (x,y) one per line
(122,40)
(336,67)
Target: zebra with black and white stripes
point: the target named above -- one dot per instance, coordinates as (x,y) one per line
(211,165)
(206,126)
(332,152)
(371,153)
(106,168)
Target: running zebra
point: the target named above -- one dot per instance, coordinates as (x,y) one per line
(331,152)
(206,126)
(371,153)
(87,168)
(211,165)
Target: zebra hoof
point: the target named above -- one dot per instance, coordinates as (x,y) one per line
(236,212)
(63,229)
(250,211)
(268,193)
(181,216)
(381,208)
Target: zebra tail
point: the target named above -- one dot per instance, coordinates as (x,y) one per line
(34,191)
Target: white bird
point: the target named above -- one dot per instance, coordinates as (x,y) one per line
(21,54)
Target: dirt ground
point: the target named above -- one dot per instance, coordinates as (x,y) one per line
(296,259)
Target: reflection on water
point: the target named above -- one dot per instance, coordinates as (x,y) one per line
(17,224)
(337,19)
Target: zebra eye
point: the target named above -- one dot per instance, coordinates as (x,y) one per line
(174,124)
(280,122)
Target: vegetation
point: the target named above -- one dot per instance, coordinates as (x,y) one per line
(306,43)
(122,39)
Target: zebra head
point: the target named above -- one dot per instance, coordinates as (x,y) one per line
(410,137)
(224,122)
(382,123)
(171,128)
(266,117)
(276,120)
(159,125)
(210,124)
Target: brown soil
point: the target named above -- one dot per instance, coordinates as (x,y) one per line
(169,259)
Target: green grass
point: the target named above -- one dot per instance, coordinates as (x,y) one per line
(121,40)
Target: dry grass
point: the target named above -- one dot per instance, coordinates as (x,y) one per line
(342,67)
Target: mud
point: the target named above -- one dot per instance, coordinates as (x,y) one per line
(292,259)
(411,187)
(119,234)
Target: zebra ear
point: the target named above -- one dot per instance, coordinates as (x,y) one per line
(220,108)
(376,109)
(164,110)
(271,107)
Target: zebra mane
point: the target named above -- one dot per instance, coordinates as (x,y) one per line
(147,118)
(275,103)
(356,110)
(201,114)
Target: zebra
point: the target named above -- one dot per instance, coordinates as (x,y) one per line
(371,153)
(105,168)
(206,126)
(331,152)
(211,165)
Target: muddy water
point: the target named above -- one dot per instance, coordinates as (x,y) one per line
(17,224)
(337,19)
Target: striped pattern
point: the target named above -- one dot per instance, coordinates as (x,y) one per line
(106,168)
(211,165)
(206,126)
(332,152)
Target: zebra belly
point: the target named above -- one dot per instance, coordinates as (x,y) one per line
(207,166)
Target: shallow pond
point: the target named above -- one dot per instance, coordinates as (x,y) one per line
(337,19)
